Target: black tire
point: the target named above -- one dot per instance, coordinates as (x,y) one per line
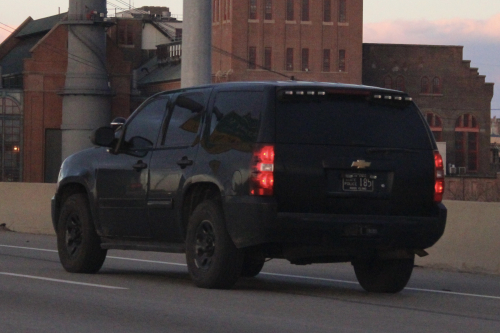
(384,276)
(213,260)
(252,265)
(78,244)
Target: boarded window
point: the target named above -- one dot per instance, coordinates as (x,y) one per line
(305,10)
(252,57)
(289,10)
(327,10)
(326,60)
(342,11)
(305,60)
(289,59)
(342,66)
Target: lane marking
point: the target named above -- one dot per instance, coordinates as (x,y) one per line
(62,281)
(281,275)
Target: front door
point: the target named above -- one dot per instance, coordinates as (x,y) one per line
(123,178)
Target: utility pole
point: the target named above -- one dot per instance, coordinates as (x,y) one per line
(196,43)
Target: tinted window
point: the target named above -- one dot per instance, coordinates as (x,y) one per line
(147,123)
(184,123)
(350,121)
(236,117)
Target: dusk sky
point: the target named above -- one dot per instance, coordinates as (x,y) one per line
(475,25)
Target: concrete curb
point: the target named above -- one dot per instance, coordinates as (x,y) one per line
(470,242)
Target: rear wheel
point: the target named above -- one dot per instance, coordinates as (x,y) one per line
(384,276)
(78,244)
(213,260)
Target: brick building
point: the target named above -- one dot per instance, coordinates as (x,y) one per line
(310,40)
(453,97)
(34,63)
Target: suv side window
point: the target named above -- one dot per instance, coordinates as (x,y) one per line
(147,123)
(184,123)
(236,117)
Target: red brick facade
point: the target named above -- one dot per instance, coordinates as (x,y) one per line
(453,97)
(313,40)
(44,78)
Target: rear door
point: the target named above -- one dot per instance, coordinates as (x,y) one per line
(352,152)
(173,161)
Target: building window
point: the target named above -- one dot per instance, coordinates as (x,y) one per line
(253,9)
(467,143)
(326,60)
(400,83)
(12,81)
(436,125)
(424,85)
(10,140)
(269,10)
(342,11)
(226,10)
(327,10)
(305,10)
(289,10)
(268,57)
(126,34)
(388,82)
(305,60)
(289,59)
(252,57)
(436,86)
(342,67)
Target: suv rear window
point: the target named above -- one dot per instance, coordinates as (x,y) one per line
(350,120)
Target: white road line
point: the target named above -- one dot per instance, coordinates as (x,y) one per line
(62,281)
(280,275)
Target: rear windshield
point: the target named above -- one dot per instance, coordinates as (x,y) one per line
(350,120)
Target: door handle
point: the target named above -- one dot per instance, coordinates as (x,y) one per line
(184,162)
(139,165)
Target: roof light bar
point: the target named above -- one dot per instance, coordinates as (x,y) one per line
(311,93)
(377,96)
(289,92)
(388,97)
(300,92)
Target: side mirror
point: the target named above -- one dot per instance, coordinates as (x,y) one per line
(103,137)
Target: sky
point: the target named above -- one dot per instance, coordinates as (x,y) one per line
(473,24)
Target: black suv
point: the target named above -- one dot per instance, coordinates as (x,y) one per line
(237,173)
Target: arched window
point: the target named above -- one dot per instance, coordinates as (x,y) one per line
(10,140)
(400,83)
(424,85)
(467,142)
(388,82)
(436,86)
(436,125)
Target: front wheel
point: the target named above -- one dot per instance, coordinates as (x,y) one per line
(212,258)
(78,244)
(384,276)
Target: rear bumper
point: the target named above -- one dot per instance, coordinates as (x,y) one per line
(255,221)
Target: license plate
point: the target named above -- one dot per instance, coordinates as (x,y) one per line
(358,182)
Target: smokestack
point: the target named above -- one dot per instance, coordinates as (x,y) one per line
(196,43)
(87,95)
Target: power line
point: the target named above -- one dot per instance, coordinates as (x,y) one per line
(8,26)
(6,30)
(229,54)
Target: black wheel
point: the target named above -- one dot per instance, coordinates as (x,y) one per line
(252,265)
(383,276)
(212,258)
(78,244)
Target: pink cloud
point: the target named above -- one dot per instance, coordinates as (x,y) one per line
(433,32)
(3,35)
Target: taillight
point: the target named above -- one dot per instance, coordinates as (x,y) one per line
(262,171)
(439,177)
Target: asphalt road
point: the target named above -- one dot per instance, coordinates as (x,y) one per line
(152,292)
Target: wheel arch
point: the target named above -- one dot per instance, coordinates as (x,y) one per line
(193,196)
(64,192)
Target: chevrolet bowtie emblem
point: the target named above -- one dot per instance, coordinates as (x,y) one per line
(361,164)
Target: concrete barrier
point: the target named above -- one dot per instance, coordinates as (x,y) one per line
(471,241)
(25,207)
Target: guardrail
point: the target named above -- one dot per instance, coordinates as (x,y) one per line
(470,242)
